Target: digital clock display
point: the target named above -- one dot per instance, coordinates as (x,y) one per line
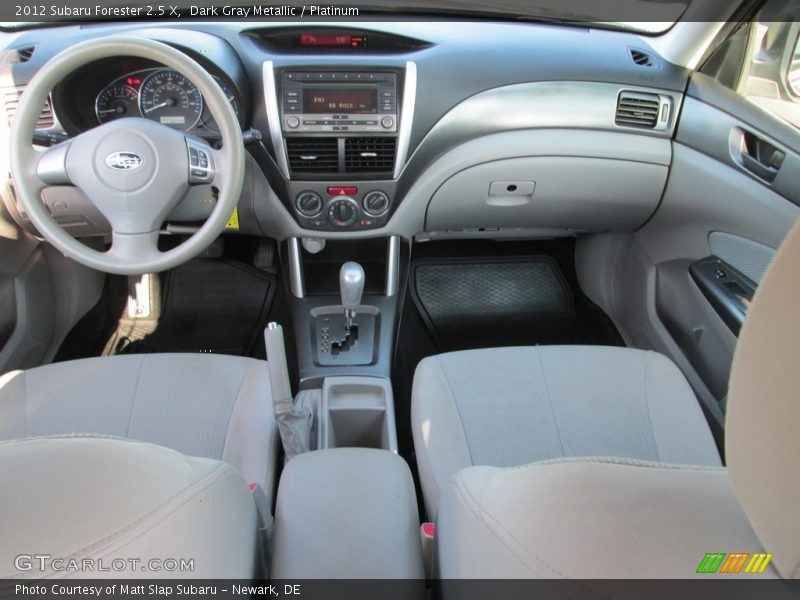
(323,100)
(330,40)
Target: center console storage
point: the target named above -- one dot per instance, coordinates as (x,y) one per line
(344,496)
(357,412)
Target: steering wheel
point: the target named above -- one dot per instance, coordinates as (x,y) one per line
(134,170)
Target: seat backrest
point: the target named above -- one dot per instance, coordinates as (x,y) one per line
(762,443)
(112,502)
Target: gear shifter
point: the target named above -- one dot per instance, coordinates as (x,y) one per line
(351,286)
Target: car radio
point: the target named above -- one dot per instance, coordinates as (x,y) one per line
(339,101)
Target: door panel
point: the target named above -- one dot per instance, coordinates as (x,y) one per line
(715,205)
(743,254)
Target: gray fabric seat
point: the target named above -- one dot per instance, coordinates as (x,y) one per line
(506,407)
(619,518)
(201,405)
(123,501)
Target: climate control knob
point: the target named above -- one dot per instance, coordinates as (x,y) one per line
(343,212)
(309,204)
(375,203)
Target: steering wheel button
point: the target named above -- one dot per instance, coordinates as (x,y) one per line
(200,173)
(193,157)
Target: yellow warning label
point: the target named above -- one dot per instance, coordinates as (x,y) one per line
(233,222)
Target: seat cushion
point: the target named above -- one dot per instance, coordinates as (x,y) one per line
(122,500)
(575,519)
(506,407)
(203,405)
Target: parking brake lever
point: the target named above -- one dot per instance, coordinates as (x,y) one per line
(294,422)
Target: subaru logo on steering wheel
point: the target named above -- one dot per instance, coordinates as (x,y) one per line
(124,161)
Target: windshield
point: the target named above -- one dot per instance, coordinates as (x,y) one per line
(644,16)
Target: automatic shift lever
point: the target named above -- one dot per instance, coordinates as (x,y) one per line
(351,286)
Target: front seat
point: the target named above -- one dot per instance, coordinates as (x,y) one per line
(202,405)
(506,407)
(621,518)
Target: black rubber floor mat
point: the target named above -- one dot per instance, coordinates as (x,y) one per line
(217,306)
(479,303)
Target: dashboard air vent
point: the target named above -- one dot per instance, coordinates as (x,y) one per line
(11,98)
(313,155)
(641,58)
(13,56)
(635,109)
(369,154)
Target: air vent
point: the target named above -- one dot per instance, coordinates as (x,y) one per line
(642,58)
(635,109)
(369,154)
(313,155)
(16,55)
(11,101)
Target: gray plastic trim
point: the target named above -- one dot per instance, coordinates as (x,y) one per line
(406,117)
(544,104)
(296,282)
(714,131)
(393,266)
(274,117)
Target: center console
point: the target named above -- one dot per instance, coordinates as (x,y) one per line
(341,142)
(340,136)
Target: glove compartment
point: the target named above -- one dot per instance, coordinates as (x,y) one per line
(559,193)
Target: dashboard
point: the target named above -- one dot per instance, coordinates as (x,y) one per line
(413,129)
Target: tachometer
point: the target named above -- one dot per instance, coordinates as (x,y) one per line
(115,102)
(169,98)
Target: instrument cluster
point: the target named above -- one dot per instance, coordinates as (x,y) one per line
(161,95)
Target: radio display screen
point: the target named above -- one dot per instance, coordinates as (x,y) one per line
(325,100)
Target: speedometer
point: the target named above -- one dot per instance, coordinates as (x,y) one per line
(169,98)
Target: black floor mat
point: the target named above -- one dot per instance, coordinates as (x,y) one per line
(474,303)
(498,301)
(217,306)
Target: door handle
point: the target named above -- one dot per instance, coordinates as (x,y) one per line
(757,168)
(756,155)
